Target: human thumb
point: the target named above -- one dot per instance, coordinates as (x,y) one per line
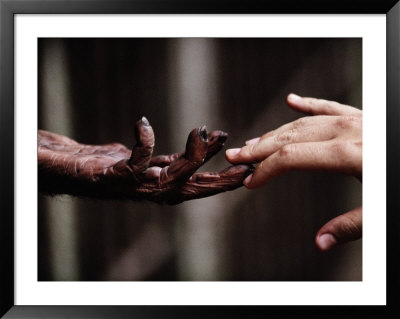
(341,229)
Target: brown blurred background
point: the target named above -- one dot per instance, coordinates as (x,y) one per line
(94,90)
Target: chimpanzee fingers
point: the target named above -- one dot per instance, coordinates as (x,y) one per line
(210,183)
(142,151)
(216,140)
(139,159)
(228,179)
(163,160)
(180,170)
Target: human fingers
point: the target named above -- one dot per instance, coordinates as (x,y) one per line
(304,121)
(307,121)
(210,183)
(253,141)
(142,151)
(258,150)
(329,155)
(340,230)
(319,106)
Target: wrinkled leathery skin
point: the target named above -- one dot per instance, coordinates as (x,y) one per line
(216,140)
(112,171)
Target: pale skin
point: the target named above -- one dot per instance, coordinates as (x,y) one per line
(329,139)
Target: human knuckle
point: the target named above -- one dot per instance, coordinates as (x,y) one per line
(299,122)
(311,101)
(346,226)
(286,151)
(345,149)
(348,121)
(261,166)
(269,134)
(323,105)
(251,148)
(357,144)
(247,151)
(357,113)
(338,147)
(357,121)
(286,137)
(341,122)
(336,104)
(329,107)
(262,169)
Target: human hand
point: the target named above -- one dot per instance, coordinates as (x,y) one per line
(113,171)
(329,140)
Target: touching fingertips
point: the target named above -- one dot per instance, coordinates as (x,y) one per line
(326,241)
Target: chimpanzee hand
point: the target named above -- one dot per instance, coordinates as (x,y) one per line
(112,171)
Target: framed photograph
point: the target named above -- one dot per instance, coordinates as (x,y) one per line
(168,159)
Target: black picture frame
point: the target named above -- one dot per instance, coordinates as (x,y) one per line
(8,10)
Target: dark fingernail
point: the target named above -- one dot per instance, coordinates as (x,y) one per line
(250,169)
(203,132)
(145,121)
(222,137)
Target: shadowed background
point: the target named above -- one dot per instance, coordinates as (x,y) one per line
(94,90)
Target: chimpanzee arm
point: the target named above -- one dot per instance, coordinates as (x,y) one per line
(112,171)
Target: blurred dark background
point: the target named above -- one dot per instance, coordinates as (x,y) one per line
(94,90)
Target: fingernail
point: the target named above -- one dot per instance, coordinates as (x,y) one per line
(145,121)
(233,152)
(253,141)
(326,241)
(203,132)
(248,179)
(222,137)
(294,97)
